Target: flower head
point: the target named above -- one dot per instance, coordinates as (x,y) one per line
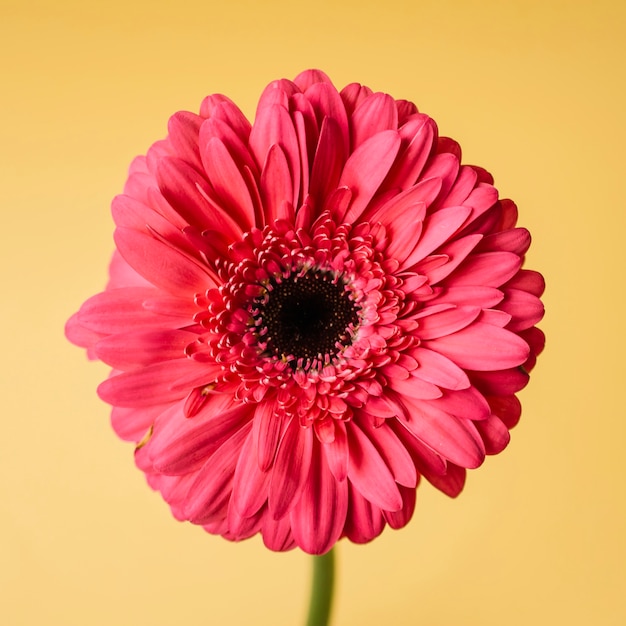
(307,315)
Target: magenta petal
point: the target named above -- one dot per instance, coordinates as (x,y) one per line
(276,185)
(180,444)
(318,518)
(118,310)
(162,265)
(527,280)
(266,432)
(328,161)
(212,486)
(128,350)
(489,269)
(525,309)
(132,424)
(277,534)
(291,469)
(494,433)
(399,519)
(273,125)
(452,482)
(229,186)
(444,322)
(453,438)
(438,228)
(337,453)
(364,520)
(439,370)
(482,347)
(251,484)
(368,472)
(183,128)
(375,114)
(327,102)
(415,388)
(392,451)
(366,168)
(153,384)
(81,336)
(411,160)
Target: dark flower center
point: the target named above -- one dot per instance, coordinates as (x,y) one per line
(307,317)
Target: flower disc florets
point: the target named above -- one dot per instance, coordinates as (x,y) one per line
(308,314)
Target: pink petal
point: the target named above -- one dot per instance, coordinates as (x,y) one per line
(528,280)
(417,139)
(451,483)
(327,102)
(414,388)
(318,517)
(483,297)
(277,534)
(227,179)
(121,310)
(366,168)
(307,78)
(266,432)
(186,190)
(223,108)
(446,322)
(123,275)
(439,370)
(454,439)
(183,128)
(364,520)
(276,186)
(507,408)
(139,348)
(516,240)
(453,254)
(179,444)
(337,453)
(503,382)
(463,185)
(482,347)
(525,309)
(399,519)
(373,115)
(392,451)
(156,383)
(81,336)
(437,229)
(328,161)
(162,265)
(446,167)
(489,269)
(132,424)
(353,94)
(273,125)
(251,484)
(368,472)
(291,469)
(213,484)
(494,433)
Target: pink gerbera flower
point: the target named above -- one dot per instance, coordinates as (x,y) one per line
(307,315)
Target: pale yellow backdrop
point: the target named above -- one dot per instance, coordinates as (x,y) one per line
(533,90)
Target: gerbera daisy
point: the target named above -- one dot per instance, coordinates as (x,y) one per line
(308,314)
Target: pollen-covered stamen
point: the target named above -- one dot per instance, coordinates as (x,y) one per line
(306,318)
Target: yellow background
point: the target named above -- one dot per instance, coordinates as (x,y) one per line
(533,90)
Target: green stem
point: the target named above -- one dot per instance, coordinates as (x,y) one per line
(322,589)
